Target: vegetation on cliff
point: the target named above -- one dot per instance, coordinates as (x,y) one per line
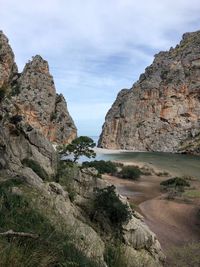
(108,205)
(101,166)
(46,203)
(50,247)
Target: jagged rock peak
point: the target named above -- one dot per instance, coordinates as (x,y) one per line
(162,109)
(188,35)
(7,63)
(40,105)
(37,64)
(33,92)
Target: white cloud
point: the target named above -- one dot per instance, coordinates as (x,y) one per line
(95,47)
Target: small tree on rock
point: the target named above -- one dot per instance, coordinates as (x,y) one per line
(81,146)
(108,204)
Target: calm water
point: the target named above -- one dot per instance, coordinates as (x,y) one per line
(176,164)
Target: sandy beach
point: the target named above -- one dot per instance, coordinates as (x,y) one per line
(104,151)
(174,223)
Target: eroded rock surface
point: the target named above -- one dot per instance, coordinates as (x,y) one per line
(8,68)
(34,95)
(26,153)
(162,109)
(138,238)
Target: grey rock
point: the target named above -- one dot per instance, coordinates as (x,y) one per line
(58,189)
(27,130)
(39,104)
(162,109)
(8,67)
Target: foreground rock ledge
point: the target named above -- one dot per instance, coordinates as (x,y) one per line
(24,137)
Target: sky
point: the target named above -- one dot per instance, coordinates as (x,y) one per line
(95,48)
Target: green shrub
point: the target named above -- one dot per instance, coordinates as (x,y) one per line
(16,119)
(175,182)
(192,193)
(108,204)
(130,172)
(53,116)
(15,90)
(101,166)
(36,168)
(174,187)
(52,248)
(2,92)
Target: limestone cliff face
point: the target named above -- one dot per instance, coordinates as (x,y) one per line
(162,109)
(26,154)
(8,68)
(34,94)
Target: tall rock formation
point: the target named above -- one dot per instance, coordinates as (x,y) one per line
(8,68)
(28,170)
(161,112)
(34,94)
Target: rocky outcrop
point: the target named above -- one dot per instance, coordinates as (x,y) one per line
(26,154)
(19,141)
(8,68)
(31,113)
(34,94)
(136,235)
(40,105)
(191,145)
(162,109)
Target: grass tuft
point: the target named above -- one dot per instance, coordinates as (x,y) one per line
(52,248)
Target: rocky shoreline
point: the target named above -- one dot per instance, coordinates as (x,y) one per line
(54,197)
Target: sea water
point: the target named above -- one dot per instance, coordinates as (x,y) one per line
(175,164)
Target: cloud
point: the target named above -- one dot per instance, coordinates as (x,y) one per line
(94,47)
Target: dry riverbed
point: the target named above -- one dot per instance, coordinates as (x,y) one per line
(174,222)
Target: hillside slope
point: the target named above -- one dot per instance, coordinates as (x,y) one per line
(46,207)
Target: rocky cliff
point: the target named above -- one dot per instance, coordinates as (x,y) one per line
(49,227)
(34,94)
(161,112)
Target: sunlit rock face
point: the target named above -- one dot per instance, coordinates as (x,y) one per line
(32,115)
(8,67)
(162,110)
(34,94)
(41,106)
